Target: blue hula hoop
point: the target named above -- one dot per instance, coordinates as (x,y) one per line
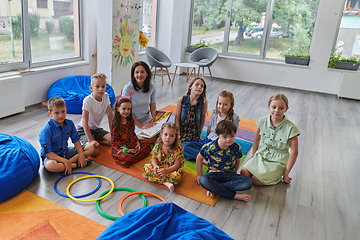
(79,196)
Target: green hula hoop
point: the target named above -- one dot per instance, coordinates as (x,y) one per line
(97,204)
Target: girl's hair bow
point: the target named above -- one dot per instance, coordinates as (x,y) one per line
(128,97)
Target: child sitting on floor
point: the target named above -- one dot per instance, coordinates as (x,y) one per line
(53,138)
(126,148)
(272,160)
(93,110)
(224,109)
(191,110)
(224,160)
(167,162)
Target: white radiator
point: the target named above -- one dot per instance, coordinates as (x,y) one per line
(11,95)
(350,85)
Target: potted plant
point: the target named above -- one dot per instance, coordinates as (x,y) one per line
(298,52)
(201,44)
(337,61)
(299,59)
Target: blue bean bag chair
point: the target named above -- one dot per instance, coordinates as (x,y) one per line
(19,164)
(73,90)
(162,221)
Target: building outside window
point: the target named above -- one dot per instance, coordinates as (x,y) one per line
(41,3)
(38,33)
(254,28)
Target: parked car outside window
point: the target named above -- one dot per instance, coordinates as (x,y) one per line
(275,33)
(254,30)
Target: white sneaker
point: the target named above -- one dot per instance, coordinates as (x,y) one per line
(170,186)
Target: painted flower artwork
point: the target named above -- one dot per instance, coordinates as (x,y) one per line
(124,45)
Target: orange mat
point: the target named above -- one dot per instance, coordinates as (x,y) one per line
(186,187)
(28,216)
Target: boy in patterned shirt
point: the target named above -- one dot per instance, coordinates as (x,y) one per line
(224,160)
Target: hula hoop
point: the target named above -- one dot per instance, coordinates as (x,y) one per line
(138,192)
(90,200)
(97,204)
(79,196)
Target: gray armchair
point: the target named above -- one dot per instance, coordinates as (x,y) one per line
(158,59)
(204,57)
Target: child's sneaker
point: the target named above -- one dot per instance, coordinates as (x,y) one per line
(88,162)
(170,186)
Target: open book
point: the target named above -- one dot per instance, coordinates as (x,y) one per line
(160,118)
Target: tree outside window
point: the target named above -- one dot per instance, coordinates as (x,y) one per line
(253,28)
(37,33)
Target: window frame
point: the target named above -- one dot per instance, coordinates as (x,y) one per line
(26,44)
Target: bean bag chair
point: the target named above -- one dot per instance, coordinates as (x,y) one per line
(162,221)
(73,90)
(19,164)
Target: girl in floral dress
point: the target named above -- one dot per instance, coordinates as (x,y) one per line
(126,148)
(167,162)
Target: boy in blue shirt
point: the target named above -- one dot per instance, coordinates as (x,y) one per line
(224,160)
(53,138)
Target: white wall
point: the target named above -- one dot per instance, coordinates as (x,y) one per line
(316,77)
(173,28)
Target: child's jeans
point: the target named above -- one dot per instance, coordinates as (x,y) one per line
(225,184)
(192,149)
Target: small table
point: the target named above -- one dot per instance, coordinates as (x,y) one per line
(187,65)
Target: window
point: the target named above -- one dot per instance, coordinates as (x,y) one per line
(37,35)
(254,28)
(348,40)
(148,20)
(41,3)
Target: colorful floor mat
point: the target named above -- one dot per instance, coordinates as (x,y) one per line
(28,216)
(187,186)
(244,136)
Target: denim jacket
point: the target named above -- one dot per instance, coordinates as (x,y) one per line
(185,105)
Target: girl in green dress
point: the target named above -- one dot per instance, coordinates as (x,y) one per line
(272,160)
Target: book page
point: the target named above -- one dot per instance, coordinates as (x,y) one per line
(160,118)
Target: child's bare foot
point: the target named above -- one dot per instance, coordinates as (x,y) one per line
(205,162)
(242,197)
(210,194)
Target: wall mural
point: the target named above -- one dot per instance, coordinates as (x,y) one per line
(127,34)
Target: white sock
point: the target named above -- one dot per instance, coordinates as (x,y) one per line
(170,186)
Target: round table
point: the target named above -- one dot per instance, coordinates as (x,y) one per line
(187,65)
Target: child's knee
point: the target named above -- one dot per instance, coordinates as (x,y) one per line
(108,138)
(256,181)
(53,166)
(204,179)
(95,151)
(245,172)
(91,150)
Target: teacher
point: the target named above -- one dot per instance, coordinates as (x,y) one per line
(142,94)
